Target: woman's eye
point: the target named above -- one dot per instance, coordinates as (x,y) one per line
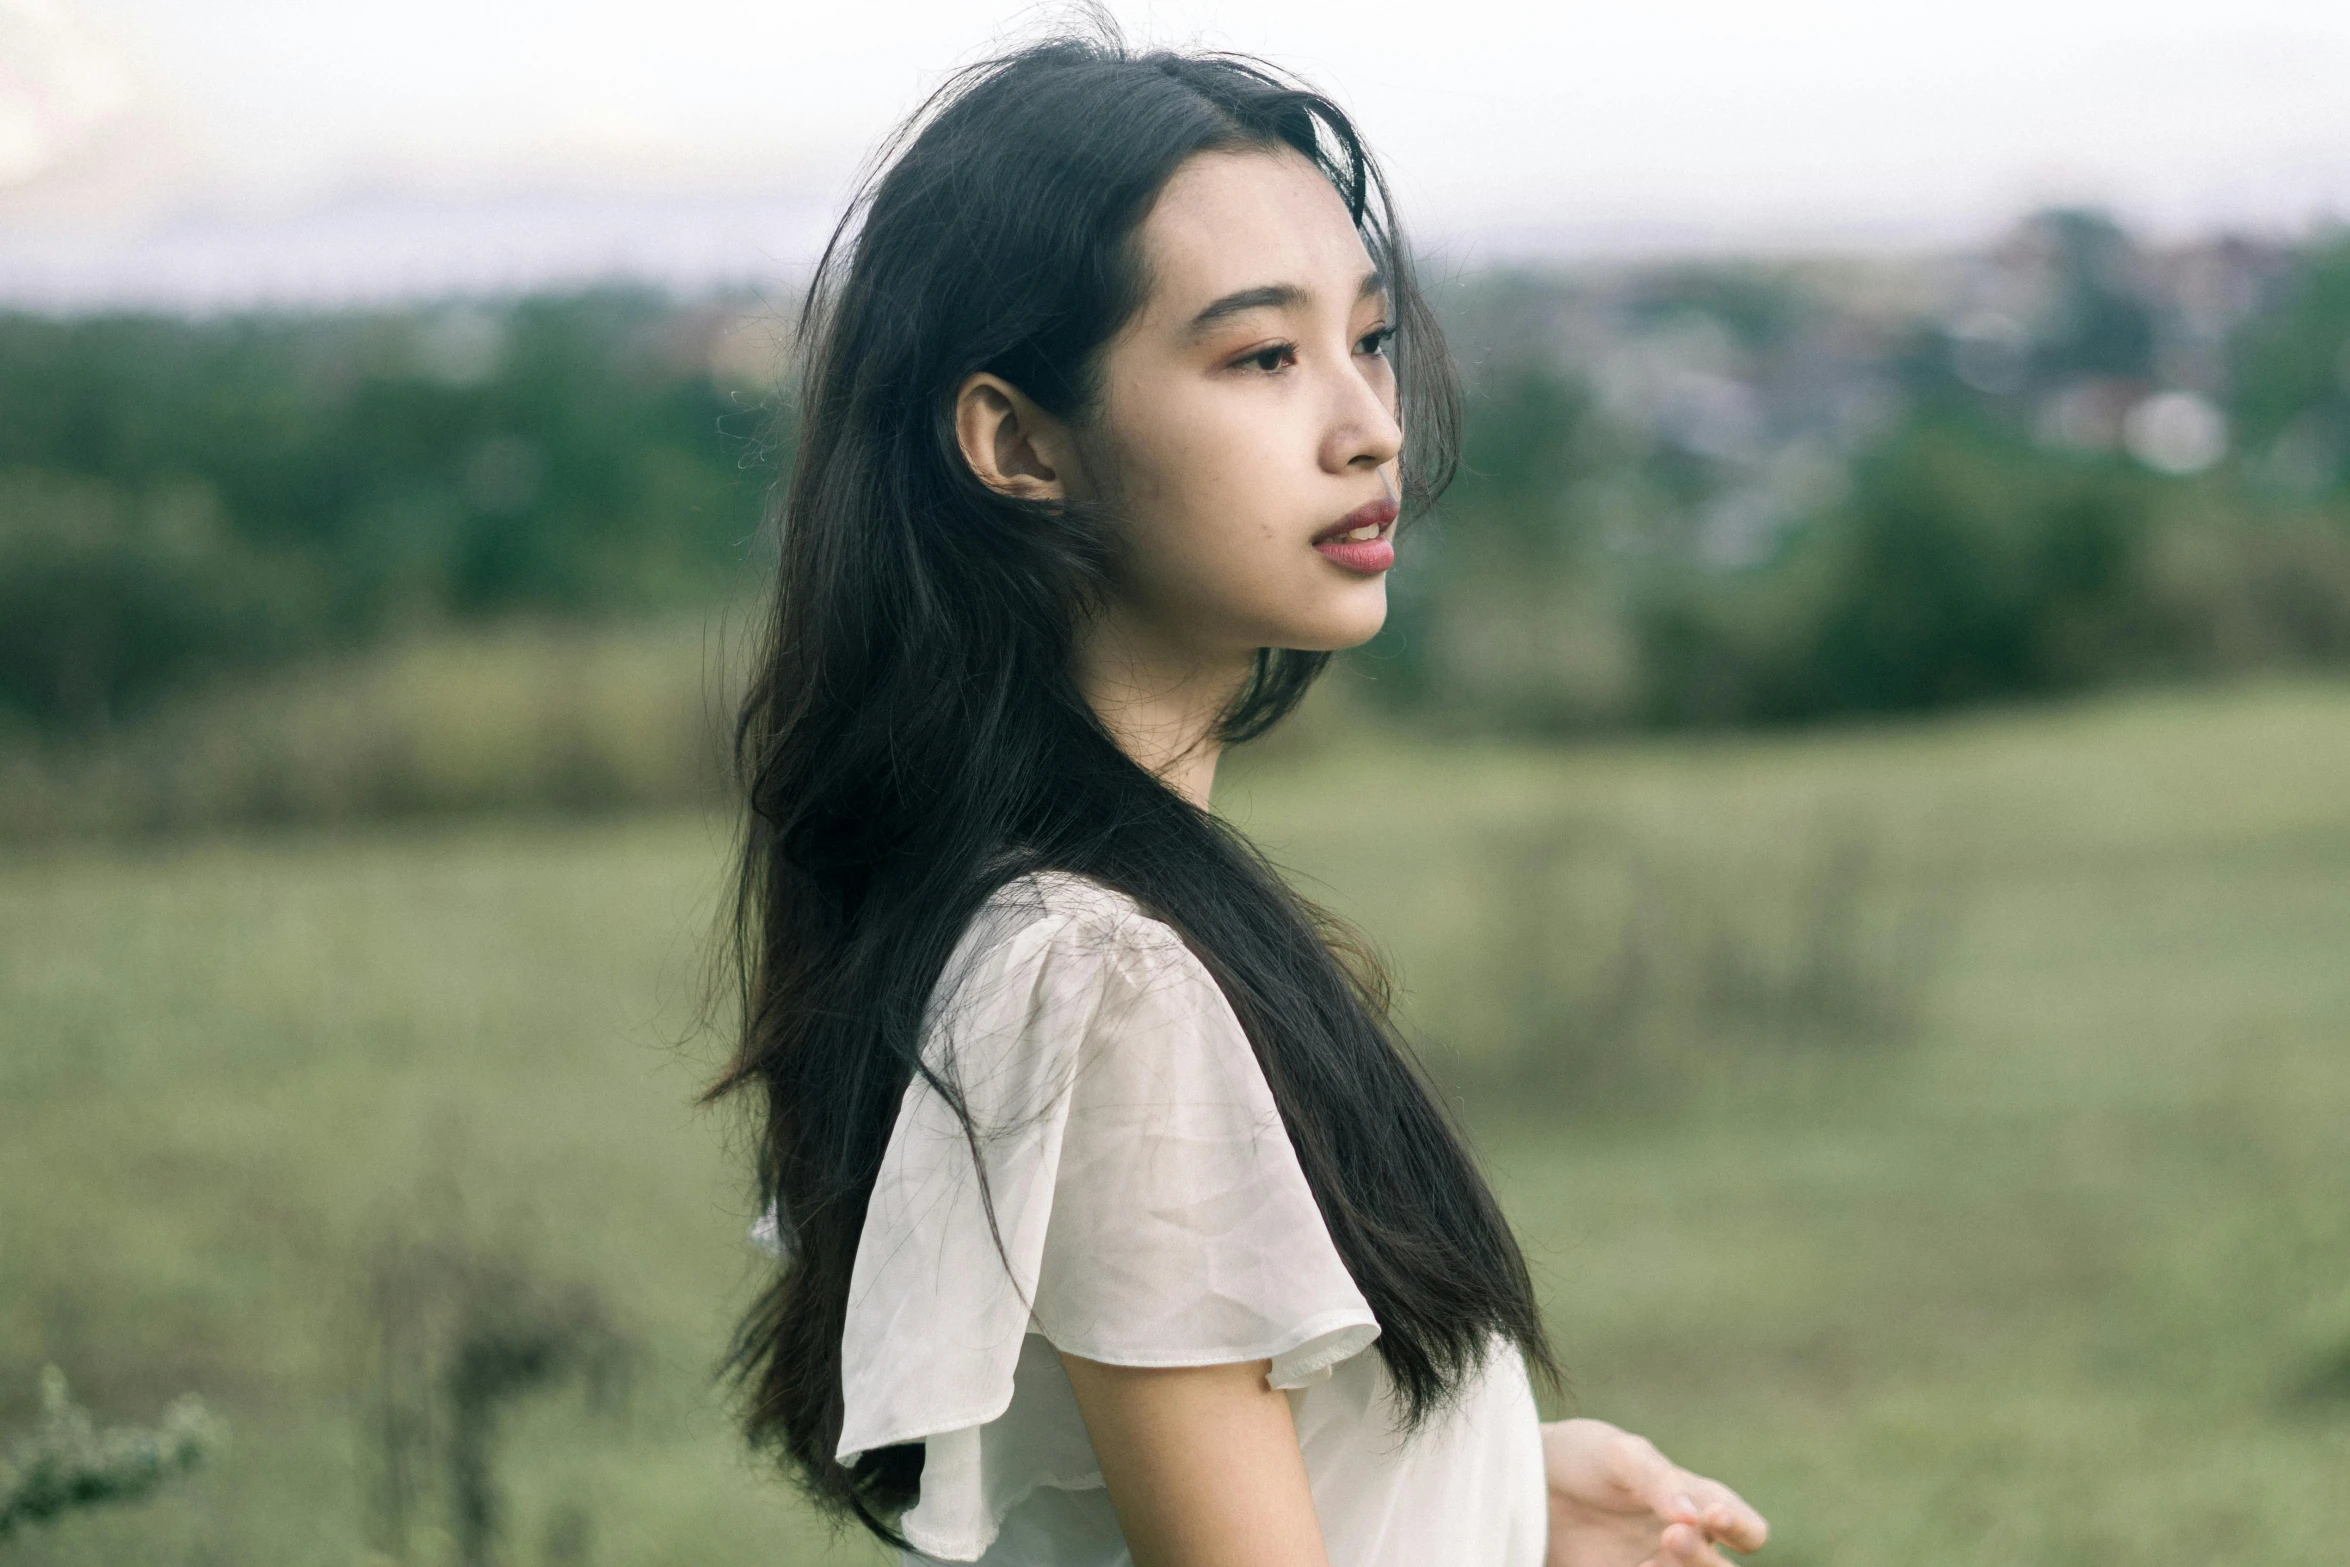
(1269,359)
(1376,340)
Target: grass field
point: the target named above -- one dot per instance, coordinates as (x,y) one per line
(2050,1264)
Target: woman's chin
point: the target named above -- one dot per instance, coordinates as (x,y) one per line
(1346,625)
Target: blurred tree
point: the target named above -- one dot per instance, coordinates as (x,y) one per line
(1759,307)
(1690,493)
(109,597)
(1527,441)
(2292,374)
(1508,521)
(574,455)
(2099,320)
(1962,567)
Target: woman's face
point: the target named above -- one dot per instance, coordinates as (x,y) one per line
(1246,432)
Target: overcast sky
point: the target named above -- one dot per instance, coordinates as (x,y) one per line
(1509,125)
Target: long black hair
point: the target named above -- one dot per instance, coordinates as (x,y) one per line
(914,736)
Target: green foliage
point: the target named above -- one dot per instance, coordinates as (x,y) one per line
(1960,569)
(1526,439)
(2100,322)
(110,597)
(1694,493)
(1962,574)
(1730,494)
(2293,369)
(181,496)
(503,720)
(66,1462)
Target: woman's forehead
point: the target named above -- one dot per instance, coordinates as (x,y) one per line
(1229,222)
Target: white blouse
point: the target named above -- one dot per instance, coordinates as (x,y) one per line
(1154,1214)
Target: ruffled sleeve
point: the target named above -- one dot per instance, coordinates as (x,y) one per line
(1148,1201)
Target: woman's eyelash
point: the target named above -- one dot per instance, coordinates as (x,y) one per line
(1371,342)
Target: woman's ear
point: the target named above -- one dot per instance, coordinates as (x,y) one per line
(1011,444)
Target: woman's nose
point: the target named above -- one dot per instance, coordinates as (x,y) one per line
(1363,429)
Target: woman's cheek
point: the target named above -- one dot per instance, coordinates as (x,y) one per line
(1221,497)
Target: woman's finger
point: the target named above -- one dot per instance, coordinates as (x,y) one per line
(1685,1545)
(1711,1509)
(1740,1527)
(1725,1515)
(1634,1466)
(1665,1487)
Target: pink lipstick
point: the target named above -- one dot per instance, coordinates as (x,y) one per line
(1359,540)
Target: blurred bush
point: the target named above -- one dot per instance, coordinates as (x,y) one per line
(1625,971)
(1735,493)
(181,498)
(109,596)
(1624,961)
(305,567)
(455,1334)
(515,717)
(66,1462)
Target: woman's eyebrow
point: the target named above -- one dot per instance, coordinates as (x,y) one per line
(1271,296)
(1266,296)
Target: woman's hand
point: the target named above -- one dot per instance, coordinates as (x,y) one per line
(1615,1501)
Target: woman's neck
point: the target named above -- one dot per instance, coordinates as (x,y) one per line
(1160,701)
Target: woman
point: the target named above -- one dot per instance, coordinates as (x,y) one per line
(1117,1225)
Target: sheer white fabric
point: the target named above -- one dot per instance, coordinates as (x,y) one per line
(1153,1214)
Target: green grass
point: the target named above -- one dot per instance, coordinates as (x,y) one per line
(2055,1275)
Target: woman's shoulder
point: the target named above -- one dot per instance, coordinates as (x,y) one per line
(1073,918)
(1052,959)
(1070,897)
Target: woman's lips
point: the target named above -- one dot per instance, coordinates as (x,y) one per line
(1358,541)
